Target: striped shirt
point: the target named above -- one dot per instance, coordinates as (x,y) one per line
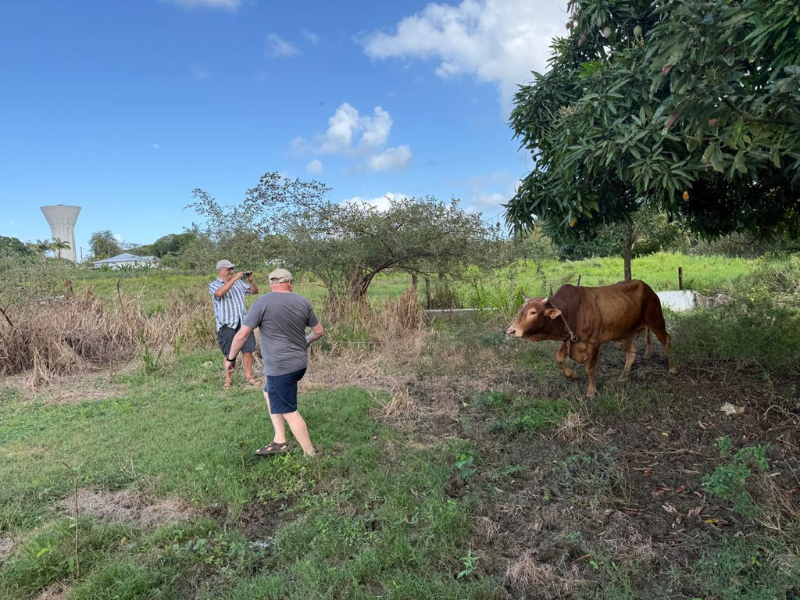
(229,310)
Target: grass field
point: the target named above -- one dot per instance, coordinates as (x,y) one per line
(701,273)
(455,463)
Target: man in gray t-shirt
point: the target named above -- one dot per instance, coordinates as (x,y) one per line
(281,317)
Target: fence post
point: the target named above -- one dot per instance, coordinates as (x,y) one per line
(579,281)
(680,278)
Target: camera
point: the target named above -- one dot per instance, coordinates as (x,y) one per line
(247,274)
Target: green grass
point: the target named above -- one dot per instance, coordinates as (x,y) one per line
(660,271)
(357,523)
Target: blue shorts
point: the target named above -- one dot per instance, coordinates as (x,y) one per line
(282,390)
(225,338)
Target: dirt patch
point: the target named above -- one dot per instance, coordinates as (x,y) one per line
(128,506)
(57,591)
(7,546)
(72,389)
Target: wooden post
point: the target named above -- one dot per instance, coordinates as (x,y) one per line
(579,281)
(680,278)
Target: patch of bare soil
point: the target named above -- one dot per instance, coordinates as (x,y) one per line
(57,591)
(127,506)
(7,546)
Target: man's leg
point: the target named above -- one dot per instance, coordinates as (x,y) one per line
(224,338)
(227,375)
(300,431)
(247,361)
(278,423)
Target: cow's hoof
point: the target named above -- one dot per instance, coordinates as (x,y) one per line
(673,370)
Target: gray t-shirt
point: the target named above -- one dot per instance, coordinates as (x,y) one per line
(282,319)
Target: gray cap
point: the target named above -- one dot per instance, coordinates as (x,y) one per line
(280,276)
(225,264)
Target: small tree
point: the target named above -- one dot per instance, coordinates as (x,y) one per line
(103,244)
(346,245)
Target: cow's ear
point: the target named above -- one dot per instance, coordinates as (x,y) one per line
(553,313)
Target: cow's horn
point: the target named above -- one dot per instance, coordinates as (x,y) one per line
(524,297)
(546,299)
(551,291)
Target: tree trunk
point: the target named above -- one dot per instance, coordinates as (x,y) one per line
(414,282)
(359,284)
(627,257)
(627,252)
(428,293)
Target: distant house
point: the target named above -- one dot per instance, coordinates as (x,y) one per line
(126,259)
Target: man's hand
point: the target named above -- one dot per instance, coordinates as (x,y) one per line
(230,365)
(239,275)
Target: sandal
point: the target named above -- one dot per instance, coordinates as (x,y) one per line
(227,385)
(273,448)
(254,382)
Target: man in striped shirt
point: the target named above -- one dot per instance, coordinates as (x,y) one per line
(228,292)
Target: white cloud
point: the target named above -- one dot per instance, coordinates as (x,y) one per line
(223,4)
(200,72)
(495,41)
(381,202)
(118,237)
(343,127)
(393,158)
(487,202)
(360,136)
(280,48)
(310,36)
(314,167)
(156,146)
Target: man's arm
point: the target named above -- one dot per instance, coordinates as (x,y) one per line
(316,332)
(227,287)
(253,286)
(236,345)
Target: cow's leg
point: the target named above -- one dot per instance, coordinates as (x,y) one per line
(591,370)
(666,341)
(649,352)
(629,345)
(561,356)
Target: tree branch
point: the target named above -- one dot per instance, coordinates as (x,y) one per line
(748,117)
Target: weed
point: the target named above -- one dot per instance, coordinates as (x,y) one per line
(465,466)
(729,481)
(469,564)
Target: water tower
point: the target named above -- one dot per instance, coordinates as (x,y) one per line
(62,224)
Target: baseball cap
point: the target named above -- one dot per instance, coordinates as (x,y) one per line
(280,276)
(225,264)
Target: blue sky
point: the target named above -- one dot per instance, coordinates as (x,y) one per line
(123,108)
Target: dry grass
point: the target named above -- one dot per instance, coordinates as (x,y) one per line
(574,428)
(128,506)
(527,575)
(401,405)
(72,335)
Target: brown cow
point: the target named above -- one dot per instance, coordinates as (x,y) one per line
(585,317)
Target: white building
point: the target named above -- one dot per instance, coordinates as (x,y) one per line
(126,259)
